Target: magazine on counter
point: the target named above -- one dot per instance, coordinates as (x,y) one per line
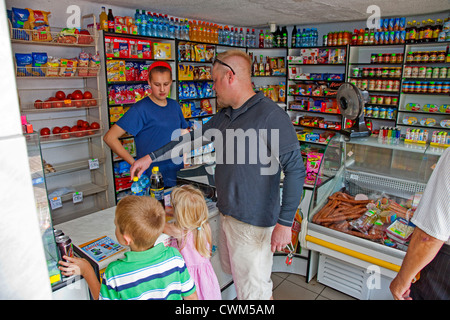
(101,248)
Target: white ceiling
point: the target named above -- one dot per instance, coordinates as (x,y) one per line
(257,13)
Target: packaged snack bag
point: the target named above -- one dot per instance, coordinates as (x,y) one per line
(94,64)
(52,67)
(83,64)
(68,67)
(139,92)
(39,63)
(130,72)
(20,21)
(206,106)
(24,62)
(67,35)
(313,160)
(147,89)
(39,24)
(109,47)
(129,94)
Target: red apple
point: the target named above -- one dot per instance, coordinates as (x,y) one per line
(60,95)
(58,104)
(38,104)
(45,131)
(87,95)
(56,130)
(46,104)
(65,133)
(95,125)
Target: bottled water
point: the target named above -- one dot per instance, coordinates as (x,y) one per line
(143,26)
(220,34)
(231,37)
(253,44)
(186,30)
(171,28)
(165,26)
(149,25)
(145,183)
(226,36)
(298,38)
(241,38)
(248,38)
(136,188)
(176,29)
(154,25)
(137,18)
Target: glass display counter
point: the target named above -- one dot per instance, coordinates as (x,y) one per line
(364,197)
(42,207)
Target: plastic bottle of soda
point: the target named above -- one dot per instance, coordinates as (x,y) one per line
(157,185)
(294,37)
(261,39)
(136,187)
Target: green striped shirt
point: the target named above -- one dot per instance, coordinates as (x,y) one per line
(158,273)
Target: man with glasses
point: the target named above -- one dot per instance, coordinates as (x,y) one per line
(253,224)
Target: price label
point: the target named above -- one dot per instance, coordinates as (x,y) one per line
(77,197)
(93,164)
(55,203)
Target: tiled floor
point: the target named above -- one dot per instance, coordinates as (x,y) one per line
(287,286)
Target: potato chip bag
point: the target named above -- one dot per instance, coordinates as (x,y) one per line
(39,24)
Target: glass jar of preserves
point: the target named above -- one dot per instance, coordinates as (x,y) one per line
(417,56)
(433,56)
(441,56)
(410,57)
(425,57)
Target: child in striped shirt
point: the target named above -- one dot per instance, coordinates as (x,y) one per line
(148,271)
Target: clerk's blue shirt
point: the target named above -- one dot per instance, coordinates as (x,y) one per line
(152,127)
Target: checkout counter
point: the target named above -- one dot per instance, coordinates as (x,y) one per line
(99,224)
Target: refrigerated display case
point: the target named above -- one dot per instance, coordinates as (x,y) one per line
(42,207)
(358,224)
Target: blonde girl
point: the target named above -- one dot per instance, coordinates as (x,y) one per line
(192,237)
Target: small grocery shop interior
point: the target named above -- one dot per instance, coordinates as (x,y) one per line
(77,67)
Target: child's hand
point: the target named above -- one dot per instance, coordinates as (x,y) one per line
(75,266)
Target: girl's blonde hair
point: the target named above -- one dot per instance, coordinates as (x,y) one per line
(191,214)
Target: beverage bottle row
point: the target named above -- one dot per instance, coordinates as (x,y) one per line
(147,24)
(261,68)
(159,25)
(306,38)
(236,37)
(428,31)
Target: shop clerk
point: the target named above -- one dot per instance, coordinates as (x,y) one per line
(151,121)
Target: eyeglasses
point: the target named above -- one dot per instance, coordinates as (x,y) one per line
(224,64)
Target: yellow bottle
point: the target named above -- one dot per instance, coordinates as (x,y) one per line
(194,32)
(103,20)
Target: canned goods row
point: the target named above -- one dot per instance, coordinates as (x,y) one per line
(377,85)
(383,100)
(380,112)
(426,87)
(386,58)
(426,72)
(385,72)
(426,57)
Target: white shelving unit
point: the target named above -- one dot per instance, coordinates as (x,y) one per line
(70,157)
